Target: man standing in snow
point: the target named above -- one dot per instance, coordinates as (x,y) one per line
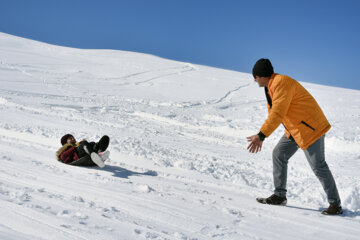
(305,126)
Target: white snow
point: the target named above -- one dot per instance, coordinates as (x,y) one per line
(179,168)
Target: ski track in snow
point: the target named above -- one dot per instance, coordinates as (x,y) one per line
(178,168)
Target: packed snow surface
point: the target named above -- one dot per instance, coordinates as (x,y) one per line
(178,169)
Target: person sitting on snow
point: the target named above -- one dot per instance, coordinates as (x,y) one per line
(72,150)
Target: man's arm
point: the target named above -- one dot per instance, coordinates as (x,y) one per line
(283,94)
(281,99)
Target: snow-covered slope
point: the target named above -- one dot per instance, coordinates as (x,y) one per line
(178,169)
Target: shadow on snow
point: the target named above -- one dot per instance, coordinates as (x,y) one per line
(124,173)
(346,212)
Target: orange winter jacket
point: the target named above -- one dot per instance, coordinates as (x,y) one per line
(293,106)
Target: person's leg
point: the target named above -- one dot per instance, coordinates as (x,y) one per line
(85,148)
(91,147)
(283,151)
(315,155)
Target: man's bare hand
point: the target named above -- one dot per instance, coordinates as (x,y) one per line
(255,144)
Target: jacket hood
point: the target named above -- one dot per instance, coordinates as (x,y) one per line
(62,149)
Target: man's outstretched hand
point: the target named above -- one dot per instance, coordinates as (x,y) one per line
(255,144)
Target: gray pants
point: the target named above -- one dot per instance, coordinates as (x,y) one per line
(315,155)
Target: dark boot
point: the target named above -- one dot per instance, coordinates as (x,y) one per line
(102,145)
(273,200)
(333,210)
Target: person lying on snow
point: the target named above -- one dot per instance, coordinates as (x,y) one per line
(72,150)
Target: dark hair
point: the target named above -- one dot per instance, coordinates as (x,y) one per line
(65,138)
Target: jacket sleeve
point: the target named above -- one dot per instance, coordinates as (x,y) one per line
(68,155)
(281,99)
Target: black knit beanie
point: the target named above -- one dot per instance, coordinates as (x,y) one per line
(65,138)
(263,68)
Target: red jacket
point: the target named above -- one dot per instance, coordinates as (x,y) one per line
(67,154)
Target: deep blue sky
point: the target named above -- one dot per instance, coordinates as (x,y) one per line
(311,40)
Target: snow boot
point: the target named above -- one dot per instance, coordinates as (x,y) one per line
(102,145)
(273,200)
(97,159)
(333,210)
(104,155)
